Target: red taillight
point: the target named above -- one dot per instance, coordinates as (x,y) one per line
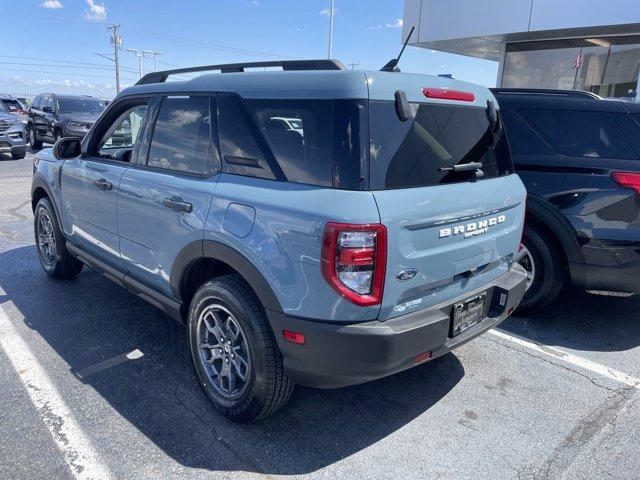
(293,337)
(354,260)
(446,94)
(627,180)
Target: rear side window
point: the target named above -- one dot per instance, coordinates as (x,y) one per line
(578,133)
(181,136)
(300,136)
(409,154)
(316,142)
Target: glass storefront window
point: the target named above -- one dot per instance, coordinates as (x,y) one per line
(606,66)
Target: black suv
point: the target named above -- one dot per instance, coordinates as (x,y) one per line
(52,116)
(579,157)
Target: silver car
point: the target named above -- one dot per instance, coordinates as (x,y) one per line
(12,134)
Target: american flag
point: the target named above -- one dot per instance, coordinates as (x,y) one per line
(577,63)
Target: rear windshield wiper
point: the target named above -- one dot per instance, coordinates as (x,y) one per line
(487,142)
(462,167)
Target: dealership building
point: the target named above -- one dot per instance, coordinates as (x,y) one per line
(559,44)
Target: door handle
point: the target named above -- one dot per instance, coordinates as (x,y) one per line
(177,204)
(103,184)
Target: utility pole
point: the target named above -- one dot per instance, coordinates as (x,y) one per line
(353,65)
(139,54)
(116,40)
(155,58)
(331,29)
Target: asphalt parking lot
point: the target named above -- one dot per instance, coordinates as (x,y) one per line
(96,383)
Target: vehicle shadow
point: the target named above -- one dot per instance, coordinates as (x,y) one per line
(581,321)
(92,324)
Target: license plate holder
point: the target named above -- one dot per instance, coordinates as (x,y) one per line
(468,313)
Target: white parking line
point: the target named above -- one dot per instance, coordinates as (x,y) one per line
(575,360)
(65,431)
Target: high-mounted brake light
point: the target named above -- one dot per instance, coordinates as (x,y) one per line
(446,94)
(627,180)
(354,260)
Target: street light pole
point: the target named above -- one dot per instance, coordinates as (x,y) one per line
(155,58)
(138,54)
(331,28)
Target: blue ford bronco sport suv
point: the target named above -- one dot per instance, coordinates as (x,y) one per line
(375,229)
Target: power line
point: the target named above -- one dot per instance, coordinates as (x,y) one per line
(55,19)
(84,67)
(213,46)
(73,74)
(41,59)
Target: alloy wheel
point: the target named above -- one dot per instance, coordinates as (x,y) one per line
(46,239)
(525,260)
(223,351)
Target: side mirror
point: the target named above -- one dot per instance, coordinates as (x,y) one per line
(67,148)
(47,109)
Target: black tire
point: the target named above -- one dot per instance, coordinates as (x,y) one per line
(267,387)
(549,267)
(18,154)
(61,264)
(34,143)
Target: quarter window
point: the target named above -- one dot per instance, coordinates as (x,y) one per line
(182,135)
(300,135)
(579,133)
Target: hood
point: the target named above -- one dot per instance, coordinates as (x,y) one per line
(79,117)
(8,116)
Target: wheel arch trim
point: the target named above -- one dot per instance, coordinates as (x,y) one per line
(560,227)
(209,249)
(40,182)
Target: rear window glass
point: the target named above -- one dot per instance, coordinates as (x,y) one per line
(411,153)
(579,133)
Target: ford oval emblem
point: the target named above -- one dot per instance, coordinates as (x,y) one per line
(406,274)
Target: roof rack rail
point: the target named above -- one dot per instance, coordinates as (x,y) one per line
(323,64)
(548,91)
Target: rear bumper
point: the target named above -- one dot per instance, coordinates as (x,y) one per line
(340,355)
(620,278)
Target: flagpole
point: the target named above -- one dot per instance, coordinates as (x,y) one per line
(578,65)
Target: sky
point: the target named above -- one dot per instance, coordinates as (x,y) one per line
(52,45)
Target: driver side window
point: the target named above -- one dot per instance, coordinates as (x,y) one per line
(121,137)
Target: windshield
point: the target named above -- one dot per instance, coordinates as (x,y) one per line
(421,151)
(12,105)
(80,105)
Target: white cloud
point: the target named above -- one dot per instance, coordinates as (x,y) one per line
(53,4)
(395,24)
(97,11)
(73,85)
(327,11)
